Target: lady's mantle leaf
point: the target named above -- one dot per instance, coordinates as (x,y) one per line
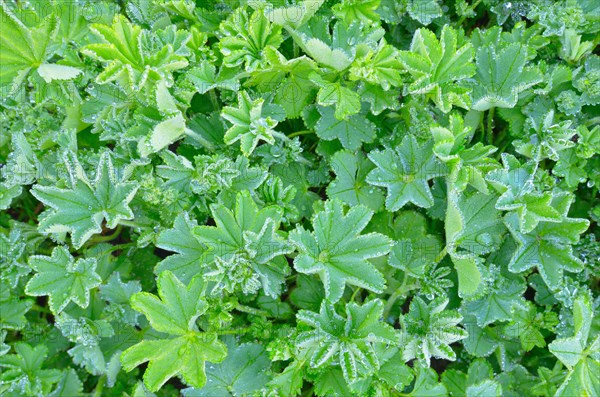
(349,341)
(581,357)
(63,279)
(189,249)
(174,312)
(439,66)
(337,252)
(351,131)
(245,37)
(428,330)
(81,209)
(547,247)
(350,185)
(249,125)
(23,371)
(405,172)
(127,59)
(502,76)
(20,51)
(244,246)
(242,373)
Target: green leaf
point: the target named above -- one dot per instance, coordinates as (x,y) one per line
(478,382)
(405,172)
(243,372)
(479,230)
(249,125)
(289,382)
(331,382)
(337,252)
(379,67)
(515,183)
(23,370)
(308,294)
(472,228)
(245,37)
(245,247)
(7,194)
(127,61)
(498,303)
(294,15)
(348,341)
(414,249)
(428,330)
(439,67)
(357,10)
(63,279)
(427,384)
(424,11)
(527,324)
(189,250)
(346,101)
(487,388)
(351,131)
(81,209)
(289,79)
(118,293)
(581,357)
(547,247)
(68,386)
(12,313)
(174,312)
(467,166)
(326,50)
(350,185)
(12,257)
(52,71)
(163,134)
(501,76)
(20,51)
(378,98)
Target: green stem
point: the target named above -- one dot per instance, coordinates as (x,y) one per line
(251,310)
(592,121)
(441,255)
(308,392)
(129,223)
(40,309)
(472,8)
(213,99)
(490,126)
(110,237)
(238,331)
(298,133)
(112,248)
(100,386)
(402,289)
(354,294)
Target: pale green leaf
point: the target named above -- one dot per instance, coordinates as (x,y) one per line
(63,279)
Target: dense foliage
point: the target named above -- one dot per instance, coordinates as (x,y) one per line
(288,197)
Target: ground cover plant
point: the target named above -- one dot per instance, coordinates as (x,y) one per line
(299,198)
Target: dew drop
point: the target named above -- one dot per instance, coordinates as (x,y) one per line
(484,239)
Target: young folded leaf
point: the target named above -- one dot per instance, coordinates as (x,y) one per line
(348,342)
